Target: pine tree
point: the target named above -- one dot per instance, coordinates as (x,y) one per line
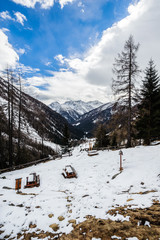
(102,139)
(149,111)
(126,70)
(66,136)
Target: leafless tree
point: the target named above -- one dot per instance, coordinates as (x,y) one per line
(126,70)
(19,120)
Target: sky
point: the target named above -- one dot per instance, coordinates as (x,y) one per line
(65,49)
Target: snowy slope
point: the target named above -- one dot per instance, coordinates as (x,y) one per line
(36,117)
(94,192)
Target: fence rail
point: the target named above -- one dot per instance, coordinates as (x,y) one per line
(49,159)
(29,164)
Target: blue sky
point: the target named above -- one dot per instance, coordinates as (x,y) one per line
(55,40)
(67,31)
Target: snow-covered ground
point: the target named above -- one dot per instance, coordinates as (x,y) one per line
(97,189)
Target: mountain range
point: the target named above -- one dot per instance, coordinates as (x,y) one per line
(73,110)
(84,115)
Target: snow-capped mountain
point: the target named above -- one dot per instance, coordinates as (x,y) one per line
(73,110)
(88,121)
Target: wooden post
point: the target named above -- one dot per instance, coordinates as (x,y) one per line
(18,184)
(121,153)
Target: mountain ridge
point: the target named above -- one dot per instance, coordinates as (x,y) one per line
(72,110)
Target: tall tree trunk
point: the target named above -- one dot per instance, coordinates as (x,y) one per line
(129,101)
(12,118)
(19,122)
(9,121)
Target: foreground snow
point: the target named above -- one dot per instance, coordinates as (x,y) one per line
(97,189)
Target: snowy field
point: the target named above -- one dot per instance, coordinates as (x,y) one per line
(97,189)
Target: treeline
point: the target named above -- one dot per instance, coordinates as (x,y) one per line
(15,146)
(136,113)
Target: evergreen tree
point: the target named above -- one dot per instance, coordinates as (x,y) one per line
(149,107)
(126,69)
(66,136)
(102,139)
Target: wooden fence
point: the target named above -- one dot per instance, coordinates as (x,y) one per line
(29,164)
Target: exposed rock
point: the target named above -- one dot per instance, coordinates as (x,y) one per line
(51,215)
(61,218)
(32,225)
(20,205)
(72,221)
(130,199)
(11,204)
(54,227)
(8,188)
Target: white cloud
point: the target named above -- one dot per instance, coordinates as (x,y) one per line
(64,2)
(60,58)
(21,51)
(90,77)
(26,69)
(5,15)
(9,57)
(64,85)
(20,18)
(31,3)
(45,4)
(48,64)
(5,30)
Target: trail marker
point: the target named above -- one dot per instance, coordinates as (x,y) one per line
(121,153)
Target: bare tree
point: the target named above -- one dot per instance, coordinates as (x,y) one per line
(10,147)
(126,70)
(19,120)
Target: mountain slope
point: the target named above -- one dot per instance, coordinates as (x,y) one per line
(89,121)
(36,112)
(72,110)
(38,121)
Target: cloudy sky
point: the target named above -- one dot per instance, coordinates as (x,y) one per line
(66,48)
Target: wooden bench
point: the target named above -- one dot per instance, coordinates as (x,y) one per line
(35,182)
(69,172)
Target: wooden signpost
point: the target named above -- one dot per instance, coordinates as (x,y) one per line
(121,154)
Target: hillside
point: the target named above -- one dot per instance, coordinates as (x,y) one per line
(102,203)
(38,121)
